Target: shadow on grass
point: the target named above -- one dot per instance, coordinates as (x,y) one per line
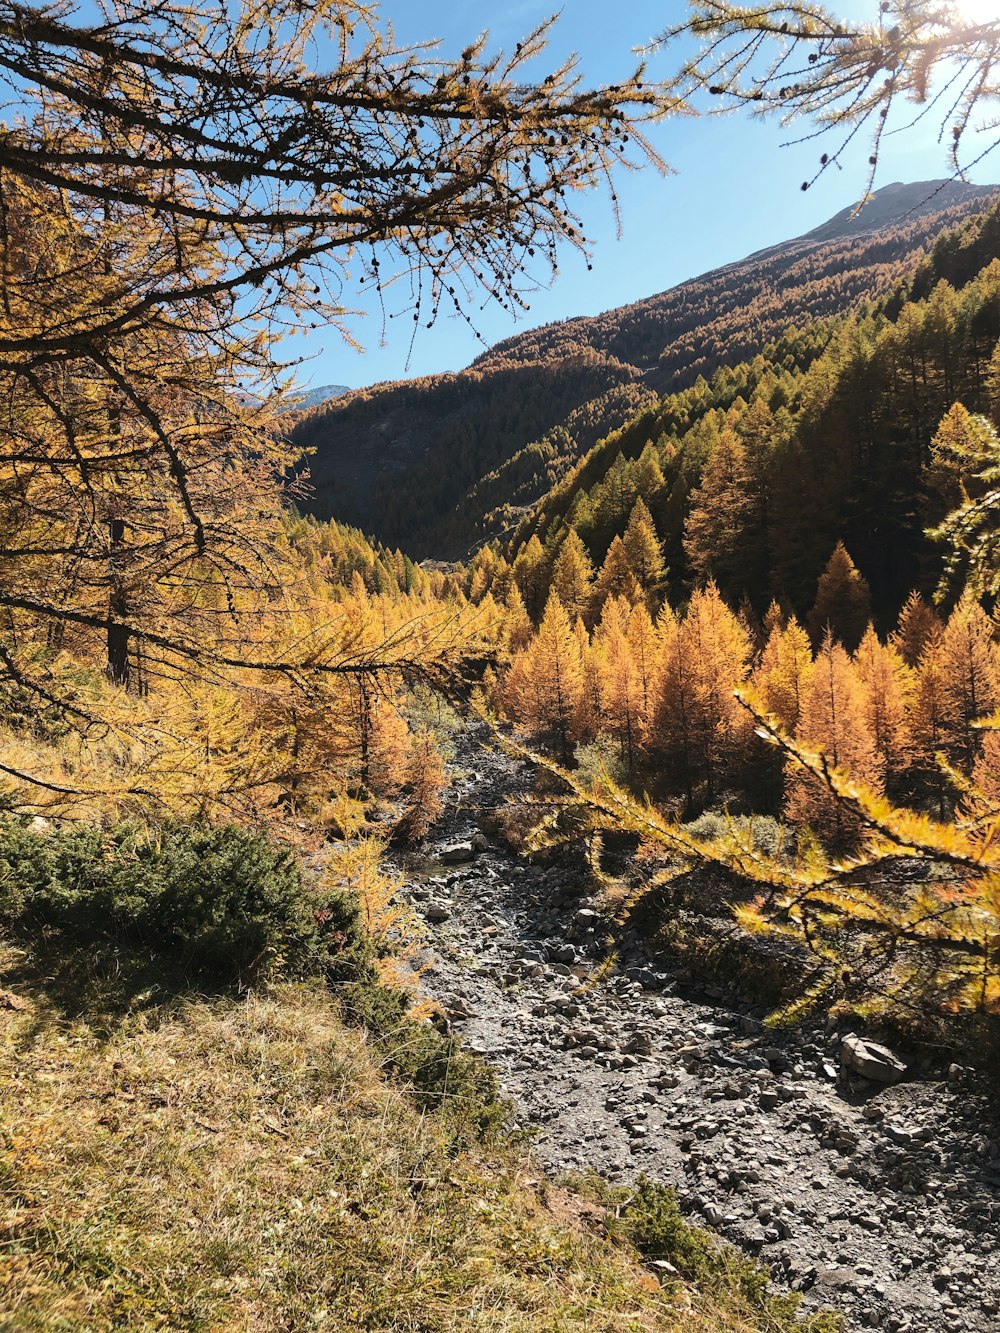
(100,982)
(106,985)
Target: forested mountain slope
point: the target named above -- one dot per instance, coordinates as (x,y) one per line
(438,464)
(753,477)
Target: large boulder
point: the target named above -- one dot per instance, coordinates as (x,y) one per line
(457,854)
(871,1060)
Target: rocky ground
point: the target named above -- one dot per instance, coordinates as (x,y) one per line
(881,1200)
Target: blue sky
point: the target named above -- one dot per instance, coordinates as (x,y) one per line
(736,189)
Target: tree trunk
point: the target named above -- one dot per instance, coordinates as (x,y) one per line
(118,633)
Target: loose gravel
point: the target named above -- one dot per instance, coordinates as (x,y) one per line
(880,1201)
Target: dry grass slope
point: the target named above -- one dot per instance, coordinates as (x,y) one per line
(245,1165)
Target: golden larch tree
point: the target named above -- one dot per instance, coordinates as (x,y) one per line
(721,516)
(843,603)
(573,575)
(915,628)
(531,573)
(517,626)
(615,579)
(971,665)
(645,643)
(889,689)
(782,675)
(544,686)
(698,730)
(620,680)
(644,551)
(834,721)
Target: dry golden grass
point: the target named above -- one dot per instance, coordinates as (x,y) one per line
(244,1165)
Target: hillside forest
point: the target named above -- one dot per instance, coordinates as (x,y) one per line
(717,573)
(787,568)
(478,449)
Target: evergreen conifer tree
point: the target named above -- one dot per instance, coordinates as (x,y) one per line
(843,601)
(573,575)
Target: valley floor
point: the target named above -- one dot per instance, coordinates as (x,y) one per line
(882,1202)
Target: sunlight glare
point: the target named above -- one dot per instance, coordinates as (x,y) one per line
(978,11)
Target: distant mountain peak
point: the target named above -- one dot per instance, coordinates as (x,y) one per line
(898,203)
(299,402)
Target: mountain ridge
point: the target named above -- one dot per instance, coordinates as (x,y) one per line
(909,202)
(442,463)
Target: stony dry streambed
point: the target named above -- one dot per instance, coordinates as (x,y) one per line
(880,1200)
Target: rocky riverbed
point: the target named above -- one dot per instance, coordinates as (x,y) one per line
(880,1200)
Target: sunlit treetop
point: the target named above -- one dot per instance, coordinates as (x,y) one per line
(931,60)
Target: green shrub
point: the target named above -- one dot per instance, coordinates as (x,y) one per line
(439,1074)
(600,759)
(652,1222)
(768,835)
(225,903)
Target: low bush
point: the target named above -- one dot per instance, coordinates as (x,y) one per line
(226,906)
(599,760)
(225,903)
(440,1076)
(652,1222)
(769,836)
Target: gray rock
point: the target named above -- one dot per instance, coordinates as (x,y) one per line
(871,1060)
(564,953)
(639,1044)
(437,912)
(457,854)
(902,1135)
(646,978)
